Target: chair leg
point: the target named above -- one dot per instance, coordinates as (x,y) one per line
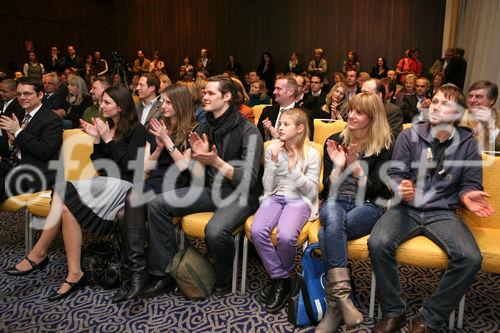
(371,312)
(461,308)
(451,322)
(235,263)
(182,238)
(28,232)
(244,262)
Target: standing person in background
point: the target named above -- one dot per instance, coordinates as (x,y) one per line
(351,62)
(156,63)
(456,69)
(55,63)
(33,68)
(233,65)
(318,65)
(380,69)
(205,63)
(73,61)
(100,65)
(141,64)
(294,65)
(266,70)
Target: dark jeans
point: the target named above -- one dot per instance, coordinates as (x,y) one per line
(341,220)
(446,230)
(218,231)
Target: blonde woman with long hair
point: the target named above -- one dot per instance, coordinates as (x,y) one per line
(351,182)
(336,102)
(290,199)
(78,100)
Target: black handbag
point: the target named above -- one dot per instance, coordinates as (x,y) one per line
(102,263)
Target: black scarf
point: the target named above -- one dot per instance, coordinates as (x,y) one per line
(221,126)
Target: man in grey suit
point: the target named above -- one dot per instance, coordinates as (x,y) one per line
(150,106)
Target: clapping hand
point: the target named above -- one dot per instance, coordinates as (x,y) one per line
(89,128)
(159,130)
(198,145)
(10,125)
(207,158)
(336,153)
(277,148)
(103,130)
(269,128)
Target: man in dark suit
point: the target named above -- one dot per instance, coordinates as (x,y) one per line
(74,61)
(8,99)
(392,112)
(31,142)
(457,68)
(417,105)
(54,98)
(206,62)
(285,93)
(316,98)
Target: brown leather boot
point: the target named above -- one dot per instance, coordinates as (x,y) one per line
(341,288)
(331,320)
(389,325)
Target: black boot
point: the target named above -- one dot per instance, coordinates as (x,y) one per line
(278,299)
(266,292)
(158,285)
(121,293)
(136,222)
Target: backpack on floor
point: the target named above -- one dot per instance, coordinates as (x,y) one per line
(307,303)
(192,272)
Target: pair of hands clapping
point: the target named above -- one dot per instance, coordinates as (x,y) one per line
(345,156)
(99,130)
(201,150)
(292,154)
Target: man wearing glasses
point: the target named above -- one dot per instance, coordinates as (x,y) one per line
(29,144)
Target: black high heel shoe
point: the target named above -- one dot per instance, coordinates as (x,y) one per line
(74,286)
(13,271)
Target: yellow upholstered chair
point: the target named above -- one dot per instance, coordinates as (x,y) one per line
(304,233)
(193,225)
(76,150)
(257,111)
(323,130)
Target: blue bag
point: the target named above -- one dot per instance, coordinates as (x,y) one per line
(308,305)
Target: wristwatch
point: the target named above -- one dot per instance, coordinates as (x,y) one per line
(171,148)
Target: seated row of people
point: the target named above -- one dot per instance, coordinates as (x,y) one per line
(215,166)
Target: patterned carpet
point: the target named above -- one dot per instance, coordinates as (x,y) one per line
(23,307)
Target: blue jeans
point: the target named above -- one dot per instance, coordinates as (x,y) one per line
(341,221)
(447,231)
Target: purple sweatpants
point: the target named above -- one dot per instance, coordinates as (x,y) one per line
(290,215)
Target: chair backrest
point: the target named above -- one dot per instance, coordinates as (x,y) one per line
(491,181)
(407,125)
(257,111)
(314,145)
(323,130)
(76,150)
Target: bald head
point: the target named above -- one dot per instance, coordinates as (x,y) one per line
(374,86)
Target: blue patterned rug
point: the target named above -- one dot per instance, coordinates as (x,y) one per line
(23,307)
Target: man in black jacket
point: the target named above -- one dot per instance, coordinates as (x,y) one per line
(30,143)
(227,151)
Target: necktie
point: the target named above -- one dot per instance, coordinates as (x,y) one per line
(17,149)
